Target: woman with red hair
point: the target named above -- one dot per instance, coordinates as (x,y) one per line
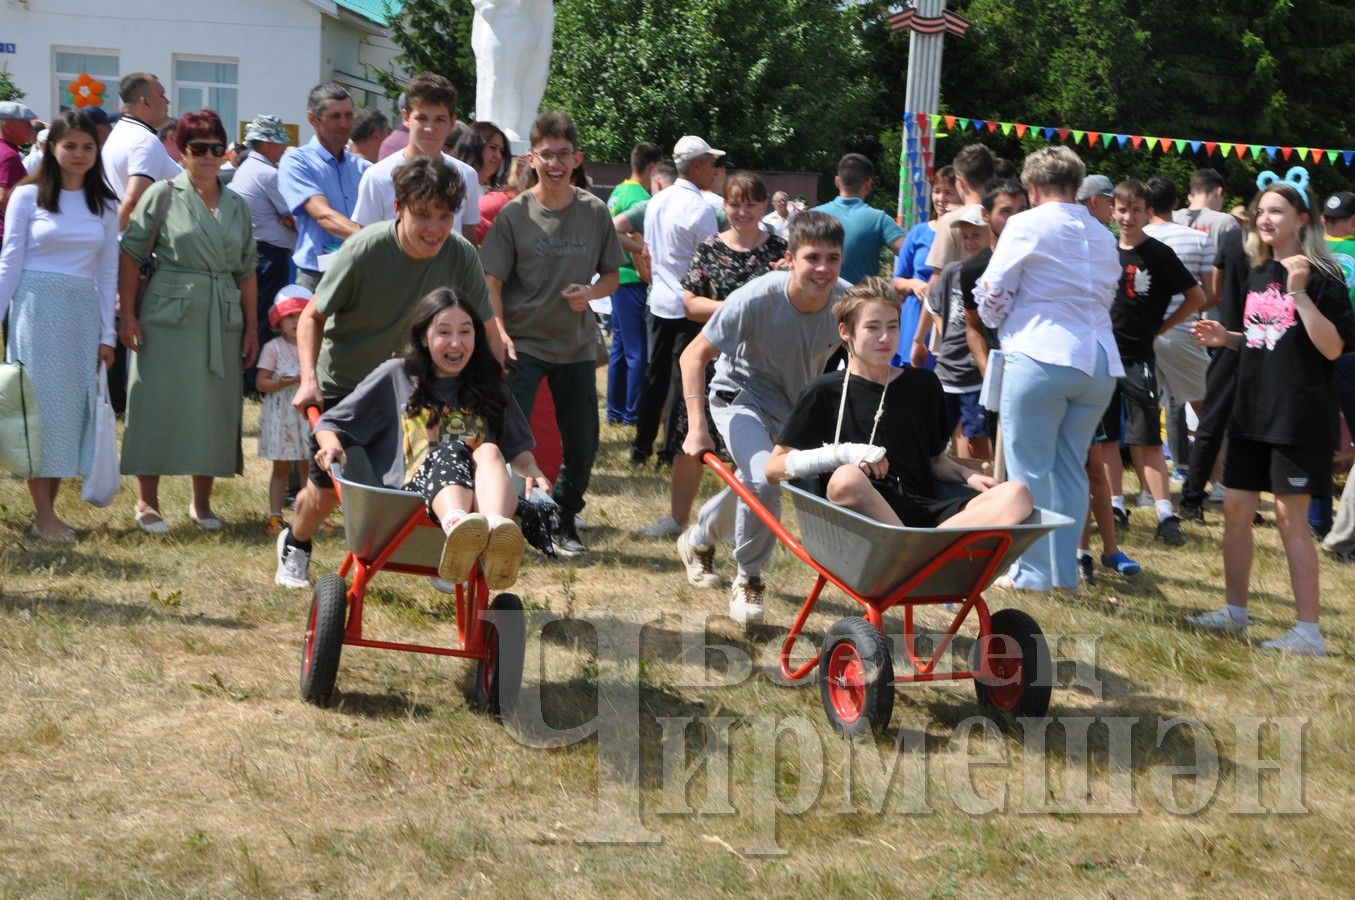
(194,330)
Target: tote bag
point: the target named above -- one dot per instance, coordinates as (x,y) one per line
(103,483)
(20,428)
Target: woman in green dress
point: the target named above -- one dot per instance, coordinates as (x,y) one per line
(193,332)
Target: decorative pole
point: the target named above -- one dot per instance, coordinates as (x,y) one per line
(930,21)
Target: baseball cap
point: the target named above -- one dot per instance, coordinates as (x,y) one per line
(98,114)
(692,147)
(1340,205)
(971,215)
(1095,186)
(12,109)
(289,301)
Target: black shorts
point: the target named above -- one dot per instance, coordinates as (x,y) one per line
(917,511)
(316,475)
(1277,468)
(1137,397)
(445,465)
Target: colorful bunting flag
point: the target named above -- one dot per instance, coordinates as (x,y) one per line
(1180,145)
(1063,133)
(1122,139)
(1195,146)
(1048,133)
(1136,139)
(1209,147)
(1006,127)
(950,123)
(1092,138)
(1107,137)
(1164,143)
(1077,136)
(978,124)
(1020,130)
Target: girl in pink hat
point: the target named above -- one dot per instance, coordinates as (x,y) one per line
(283,433)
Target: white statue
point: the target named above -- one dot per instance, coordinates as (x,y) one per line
(512,44)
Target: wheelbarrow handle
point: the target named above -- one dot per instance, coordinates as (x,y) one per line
(313,416)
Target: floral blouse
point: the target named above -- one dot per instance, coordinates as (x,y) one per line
(717,269)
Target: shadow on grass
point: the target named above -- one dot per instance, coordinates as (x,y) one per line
(379,706)
(67,559)
(100,612)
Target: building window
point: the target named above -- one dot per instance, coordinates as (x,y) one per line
(101,66)
(208,84)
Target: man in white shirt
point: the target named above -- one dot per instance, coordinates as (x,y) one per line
(430,114)
(676,221)
(777,221)
(133,156)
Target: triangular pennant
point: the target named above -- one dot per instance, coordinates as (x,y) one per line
(1331,156)
(950,123)
(1077,136)
(1272,151)
(1107,137)
(1316,155)
(1209,147)
(1020,130)
(1195,146)
(1006,127)
(964,123)
(1164,143)
(1063,134)
(1048,133)
(1092,138)
(1240,150)
(1285,152)
(1348,155)
(1302,152)
(1180,144)
(1226,148)
(992,127)
(1255,151)
(936,120)
(1136,139)
(921,120)
(1122,139)
(978,124)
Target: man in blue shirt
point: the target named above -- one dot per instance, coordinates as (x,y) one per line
(319,182)
(867,229)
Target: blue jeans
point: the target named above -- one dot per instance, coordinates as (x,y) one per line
(1049,414)
(629,354)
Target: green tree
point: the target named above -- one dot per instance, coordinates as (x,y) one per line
(434,36)
(8,89)
(780,84)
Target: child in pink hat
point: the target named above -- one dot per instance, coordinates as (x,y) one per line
(283,433)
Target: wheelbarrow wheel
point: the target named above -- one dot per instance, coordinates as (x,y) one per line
(856,678)
(1022,670)
(499,675)
(324,640)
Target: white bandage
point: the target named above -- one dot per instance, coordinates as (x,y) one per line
(802,463)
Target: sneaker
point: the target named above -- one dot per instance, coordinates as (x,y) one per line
(638,456)
(503,555)
(700,563)
(1122,564)
(1218,620)
(1192,512)
(745,604)
(1293,641)
(1144,500)
(1180,473)
(463,546)
(1086,570)
(294,564)
(273,525)
(567,541)
(1121,517)
(1169,532)
(666,528)
(1217,493)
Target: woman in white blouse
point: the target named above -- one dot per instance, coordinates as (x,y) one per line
(1048,291)
(58,278)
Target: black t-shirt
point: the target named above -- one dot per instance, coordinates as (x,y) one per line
(1286,389)
(970,272)
(912,429)
(1232,259)
(1150,275)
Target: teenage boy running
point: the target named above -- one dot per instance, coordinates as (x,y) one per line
(771,336)
(1150,274)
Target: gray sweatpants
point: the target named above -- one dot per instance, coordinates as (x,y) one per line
(749,440)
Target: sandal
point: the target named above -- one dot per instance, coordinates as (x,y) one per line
(206,523)
(151,522)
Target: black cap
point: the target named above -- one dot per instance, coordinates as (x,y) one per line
(96,113)
(1340,205)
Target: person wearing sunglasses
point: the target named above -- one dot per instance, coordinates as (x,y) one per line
(193,331)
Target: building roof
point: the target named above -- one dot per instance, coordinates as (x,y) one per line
(374,10)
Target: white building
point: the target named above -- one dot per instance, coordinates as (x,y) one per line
(239,57)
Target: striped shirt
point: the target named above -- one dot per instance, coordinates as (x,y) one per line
(1193,248)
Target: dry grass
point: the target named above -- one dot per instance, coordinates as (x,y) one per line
(152,741)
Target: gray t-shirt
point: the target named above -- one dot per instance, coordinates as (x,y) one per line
(537,252)
(954,363)
(769,350)
(1214,223)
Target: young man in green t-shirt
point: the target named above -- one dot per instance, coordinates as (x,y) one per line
(630,341)
(360,314)
(540,257)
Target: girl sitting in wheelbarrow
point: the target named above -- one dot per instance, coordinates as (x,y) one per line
(881,441)
(441,421)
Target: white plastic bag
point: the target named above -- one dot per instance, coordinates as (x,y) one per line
(103,483)
(20,424)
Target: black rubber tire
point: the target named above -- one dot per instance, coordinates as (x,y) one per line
(323,642)
(1036,675)
(855,642)
(498,679)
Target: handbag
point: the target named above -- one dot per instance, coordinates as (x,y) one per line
(146,271)
(20,425)
(103,482)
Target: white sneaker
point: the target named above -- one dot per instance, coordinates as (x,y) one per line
(464,543)
(1293,641)
(1218,492)
(294,564)
(503,554)
(666,528)
(745,604)
(700,563)
(1219,620)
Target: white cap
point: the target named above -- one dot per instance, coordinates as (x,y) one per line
(971,215)
(692,147)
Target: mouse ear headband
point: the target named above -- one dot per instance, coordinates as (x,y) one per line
(1296,177)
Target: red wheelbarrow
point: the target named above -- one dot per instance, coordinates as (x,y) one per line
(881,566)
(389,530)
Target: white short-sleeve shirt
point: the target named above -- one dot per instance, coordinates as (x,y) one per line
(376,192)
(134,148)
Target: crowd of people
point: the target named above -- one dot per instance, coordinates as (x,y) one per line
(418,285)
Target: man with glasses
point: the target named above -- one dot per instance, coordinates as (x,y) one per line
(540,257)
(319,181)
